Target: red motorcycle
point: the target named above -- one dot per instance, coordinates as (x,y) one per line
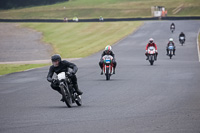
(107,66)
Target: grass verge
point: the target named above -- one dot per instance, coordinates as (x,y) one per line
(105,8)
(75,40)
(10,68)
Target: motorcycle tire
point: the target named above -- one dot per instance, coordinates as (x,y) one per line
(107,74)
(67,97)
(170,54)
(151,60)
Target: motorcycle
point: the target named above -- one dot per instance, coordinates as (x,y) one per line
(107,66)
(152,54)
(182,40)
(68,92)
(172,28)
(170,49)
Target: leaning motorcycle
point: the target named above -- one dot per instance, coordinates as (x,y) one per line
(107,66)
(182,40)
(170,49)
(152,54)
(69,94)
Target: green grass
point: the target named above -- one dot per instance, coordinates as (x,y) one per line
(10,68)
(75,40)
(105,8)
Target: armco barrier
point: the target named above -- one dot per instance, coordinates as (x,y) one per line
(105,20)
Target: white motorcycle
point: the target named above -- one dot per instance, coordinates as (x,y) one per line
(152,54)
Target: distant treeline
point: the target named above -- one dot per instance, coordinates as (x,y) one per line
(8,4)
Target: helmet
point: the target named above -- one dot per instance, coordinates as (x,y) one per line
(56,57)
(151,40)
(171,39)
(108,48)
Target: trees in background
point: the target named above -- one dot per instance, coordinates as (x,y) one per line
(8,4)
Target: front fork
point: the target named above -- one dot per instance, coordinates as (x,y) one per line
(110,68)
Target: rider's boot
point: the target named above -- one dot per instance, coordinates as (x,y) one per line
(147,57)
(62,99)
(113,70)
(101,71)
(79,92)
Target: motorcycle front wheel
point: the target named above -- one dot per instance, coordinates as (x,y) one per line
(151,60)
(66,95)
(107,74)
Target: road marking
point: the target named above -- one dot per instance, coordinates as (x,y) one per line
(198,44)
(177,9)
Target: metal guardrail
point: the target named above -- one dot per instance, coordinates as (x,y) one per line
(105,19)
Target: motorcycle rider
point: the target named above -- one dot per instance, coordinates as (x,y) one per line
(151,43)
(169,44)
(108,51)
(172,26)
(62,66)
(181,35)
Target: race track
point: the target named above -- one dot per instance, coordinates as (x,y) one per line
(163,98)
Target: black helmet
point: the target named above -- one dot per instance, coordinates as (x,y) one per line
(56,57)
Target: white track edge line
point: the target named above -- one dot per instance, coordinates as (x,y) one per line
(198,44)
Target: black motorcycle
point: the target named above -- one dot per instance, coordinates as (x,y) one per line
(182,40)
(68,92)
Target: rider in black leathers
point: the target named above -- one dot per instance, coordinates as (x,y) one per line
(62,66)
(108,51)
(172,26)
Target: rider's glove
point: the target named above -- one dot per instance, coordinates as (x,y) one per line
(146,51)
(156,51)
(54,81)
(72,74)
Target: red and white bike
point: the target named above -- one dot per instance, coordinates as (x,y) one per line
(152,54)
(108,66)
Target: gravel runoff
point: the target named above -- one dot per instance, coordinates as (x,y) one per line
(21,44)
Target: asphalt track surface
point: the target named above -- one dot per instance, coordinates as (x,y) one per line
(21,44)
(163,98)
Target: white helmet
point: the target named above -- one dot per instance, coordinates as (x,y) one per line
(151,40)
(108,48)
(171,39)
